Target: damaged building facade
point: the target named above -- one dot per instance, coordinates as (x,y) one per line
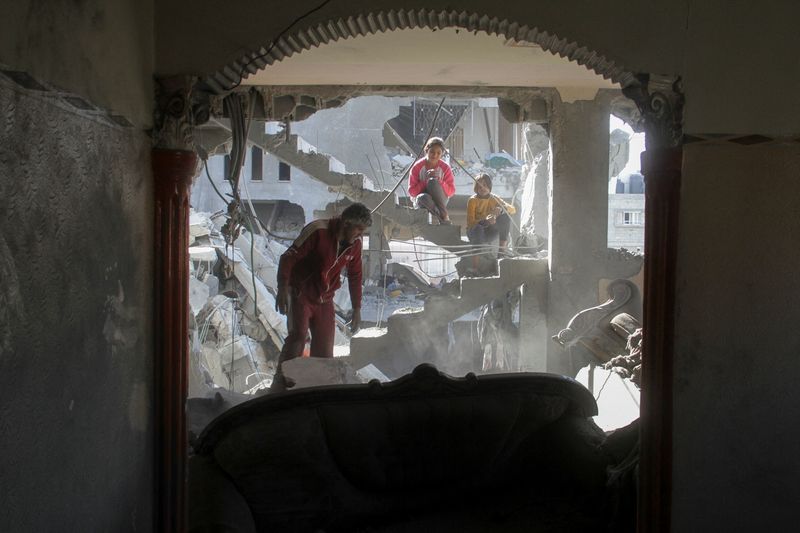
(97,238)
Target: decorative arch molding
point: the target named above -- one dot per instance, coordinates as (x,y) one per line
(301,39)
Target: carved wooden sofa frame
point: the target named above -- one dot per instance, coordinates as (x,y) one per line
(363,457)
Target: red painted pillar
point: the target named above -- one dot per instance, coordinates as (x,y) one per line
(662,172)
(173,171)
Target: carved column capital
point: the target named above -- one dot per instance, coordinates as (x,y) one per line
(180,106)
(660,102)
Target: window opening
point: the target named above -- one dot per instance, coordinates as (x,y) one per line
(256,164)
(284,172)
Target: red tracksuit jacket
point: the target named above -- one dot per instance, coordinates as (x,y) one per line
(311,265)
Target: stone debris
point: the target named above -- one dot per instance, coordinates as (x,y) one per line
(304,372)
(199,294)
(370,372)
(236,334)
(629,365)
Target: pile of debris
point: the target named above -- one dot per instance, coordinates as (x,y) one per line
(235,332)
(629,365)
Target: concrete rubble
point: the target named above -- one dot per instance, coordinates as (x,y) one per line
(313,372)
(479,315)
(235,333)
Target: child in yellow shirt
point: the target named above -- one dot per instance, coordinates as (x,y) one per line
(487,215)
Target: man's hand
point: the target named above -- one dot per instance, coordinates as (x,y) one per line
(356,322)
(282,301)
(497,211)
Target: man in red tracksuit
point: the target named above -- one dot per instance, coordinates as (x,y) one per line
(309,274)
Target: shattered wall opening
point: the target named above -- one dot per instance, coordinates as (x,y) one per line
(421,279)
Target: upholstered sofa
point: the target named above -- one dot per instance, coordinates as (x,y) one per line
(513,452)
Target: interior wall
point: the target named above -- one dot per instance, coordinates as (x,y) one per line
(198,37)
(737,344)
(101,50)
(76,263)
(731,55)
(76,370)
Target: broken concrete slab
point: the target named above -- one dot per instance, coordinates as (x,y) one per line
(272,320)
(318,371)
(202,253)
(199,224)
(370,372)
(241,348)
(215,317)
(213,284)
(198,294)
(264,258)
(238,365)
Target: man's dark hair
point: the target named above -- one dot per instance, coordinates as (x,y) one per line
(357,214)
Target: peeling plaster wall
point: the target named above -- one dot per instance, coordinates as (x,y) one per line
(737,341)
(76,261)
(76,367)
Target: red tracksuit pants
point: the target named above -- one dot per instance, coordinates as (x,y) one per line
(304,316)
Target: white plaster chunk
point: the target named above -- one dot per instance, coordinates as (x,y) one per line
(342,350)
(241,348)
(198,294)
(240,365)
(251,326)
(199,224)
(213,284)
(211,362)
(318,371)
(370,372)
(202,253)
(217,315)
(272,320)
(617,397)
(264,259)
